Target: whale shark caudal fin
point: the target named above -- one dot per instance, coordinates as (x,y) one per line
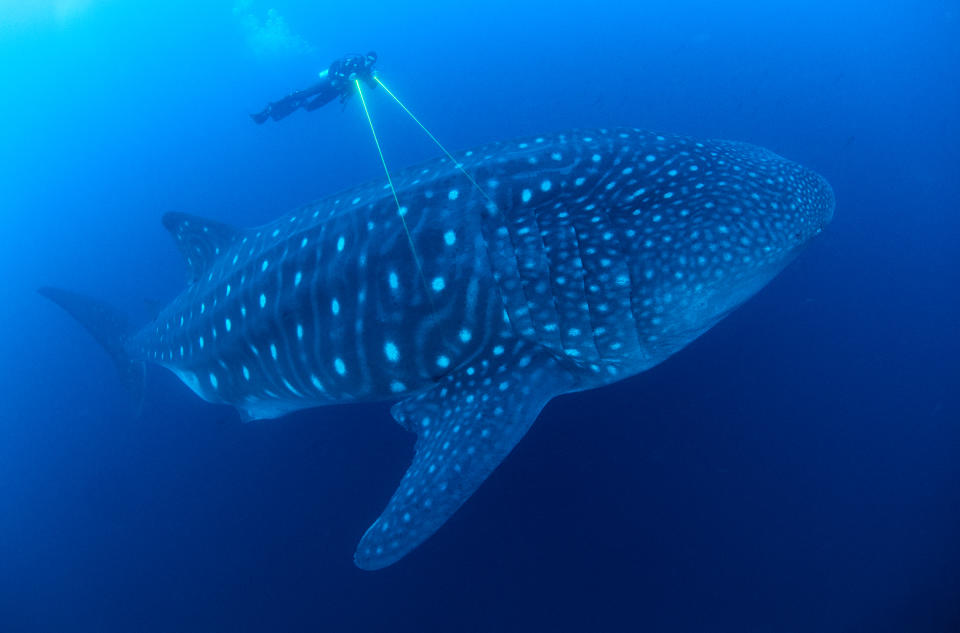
(465,426)
(201,241)
(110,328)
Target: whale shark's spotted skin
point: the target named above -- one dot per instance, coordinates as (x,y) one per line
(589,256)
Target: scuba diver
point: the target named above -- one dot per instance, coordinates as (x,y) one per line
(335,81)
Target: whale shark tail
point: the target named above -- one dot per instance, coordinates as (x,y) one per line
(110,328)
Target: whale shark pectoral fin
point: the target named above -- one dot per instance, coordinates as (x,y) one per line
(465,426)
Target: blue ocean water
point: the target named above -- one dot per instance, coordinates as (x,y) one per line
(795,469)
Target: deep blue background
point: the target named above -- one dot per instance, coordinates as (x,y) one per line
(796,469)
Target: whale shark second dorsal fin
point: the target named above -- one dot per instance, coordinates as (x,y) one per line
(201,241)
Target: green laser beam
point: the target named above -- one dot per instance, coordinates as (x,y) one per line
(434,139)
(383,161)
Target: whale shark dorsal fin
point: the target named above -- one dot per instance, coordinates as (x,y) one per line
(465,426)
(201,241)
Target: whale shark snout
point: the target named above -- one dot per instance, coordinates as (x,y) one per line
(828,200)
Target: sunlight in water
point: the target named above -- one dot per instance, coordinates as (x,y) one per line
(268,34)
(18,12)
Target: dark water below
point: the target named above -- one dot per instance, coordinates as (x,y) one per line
(793,470)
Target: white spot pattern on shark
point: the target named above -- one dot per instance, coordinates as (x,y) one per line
(590,257)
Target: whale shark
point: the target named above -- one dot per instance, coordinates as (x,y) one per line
(564,263)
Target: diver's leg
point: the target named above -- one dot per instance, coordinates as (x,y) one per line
(286,106)
(262,116)
(312,98)
(319,102)
(322,93)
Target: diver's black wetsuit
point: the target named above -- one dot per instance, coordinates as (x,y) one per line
(336,81)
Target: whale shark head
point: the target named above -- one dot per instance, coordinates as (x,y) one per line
(712,225)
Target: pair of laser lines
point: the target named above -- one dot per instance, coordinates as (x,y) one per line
(386,170)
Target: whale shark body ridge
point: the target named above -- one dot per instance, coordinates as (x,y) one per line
(589,256)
